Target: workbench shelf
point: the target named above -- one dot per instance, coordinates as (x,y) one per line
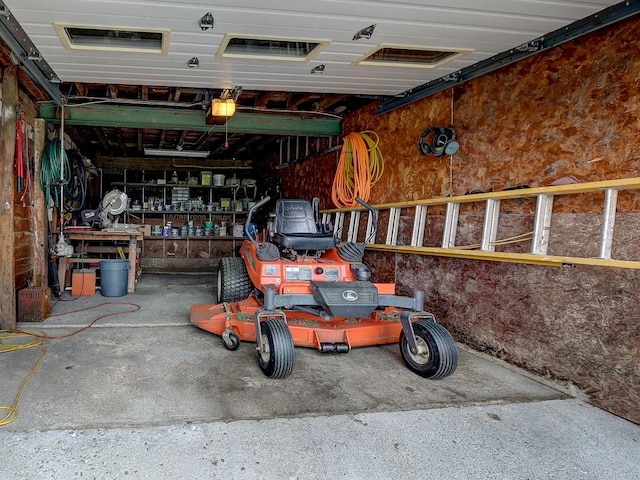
(194,238)
(132,211)
(193,205)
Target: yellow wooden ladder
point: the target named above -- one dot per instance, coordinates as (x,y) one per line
(485,250)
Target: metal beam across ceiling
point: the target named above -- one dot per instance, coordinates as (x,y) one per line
(126,116)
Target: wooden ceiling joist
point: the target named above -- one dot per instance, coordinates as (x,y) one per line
(327,101)
(295,102)
(81,88)
(79,140)
(120,135)
(102,139)
(163,136)
(182,138)
(203,140)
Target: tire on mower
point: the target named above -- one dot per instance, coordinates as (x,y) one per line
(234,342)
(439,357)
(234,283)
(276,353)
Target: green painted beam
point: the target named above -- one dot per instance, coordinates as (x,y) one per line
(127,116)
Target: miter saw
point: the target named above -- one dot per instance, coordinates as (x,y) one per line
(106,215)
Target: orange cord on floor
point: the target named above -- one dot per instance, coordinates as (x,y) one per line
(67,335)
(360,166)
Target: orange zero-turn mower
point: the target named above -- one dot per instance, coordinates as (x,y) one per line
(295,286)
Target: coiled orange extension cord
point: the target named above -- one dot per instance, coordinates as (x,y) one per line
(360,166)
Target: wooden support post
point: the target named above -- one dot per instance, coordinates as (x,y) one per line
(39,209)
(133,261)
(8,314)
(63,265)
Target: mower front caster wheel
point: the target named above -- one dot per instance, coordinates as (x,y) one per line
(233,343)
(276,353)
(437,355)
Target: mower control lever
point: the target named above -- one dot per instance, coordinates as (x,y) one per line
(374,215)
(247,223)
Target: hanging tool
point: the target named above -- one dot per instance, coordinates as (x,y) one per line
(26,159)
(52,169)
(438,141)
(20,159)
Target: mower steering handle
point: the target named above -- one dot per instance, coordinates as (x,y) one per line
(374,214)
(247,223)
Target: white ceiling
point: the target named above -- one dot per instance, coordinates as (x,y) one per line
(486,26)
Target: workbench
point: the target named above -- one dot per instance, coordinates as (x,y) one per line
(81,241)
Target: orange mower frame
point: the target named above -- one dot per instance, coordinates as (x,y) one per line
(279,297)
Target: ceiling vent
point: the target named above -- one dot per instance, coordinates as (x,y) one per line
(270,48)
(410,56)
(113,39)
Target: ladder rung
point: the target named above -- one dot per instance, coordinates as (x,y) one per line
(339,223)
(542,224)
(394,225)
(370,229)
(419,222)
(608,221)
(490,229)
(354,223)
(450,225)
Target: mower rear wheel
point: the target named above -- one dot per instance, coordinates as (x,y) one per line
(276,353)
(437,355)
(234,283)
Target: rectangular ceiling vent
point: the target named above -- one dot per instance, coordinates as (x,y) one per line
(270,48)
(113,39)
(410,56)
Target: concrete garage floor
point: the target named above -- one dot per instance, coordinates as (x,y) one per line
(147,395)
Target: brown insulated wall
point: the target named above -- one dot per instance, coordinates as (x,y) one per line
(574,110)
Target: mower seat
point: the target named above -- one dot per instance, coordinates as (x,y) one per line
(296,227)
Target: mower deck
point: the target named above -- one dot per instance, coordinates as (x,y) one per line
(381,327)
